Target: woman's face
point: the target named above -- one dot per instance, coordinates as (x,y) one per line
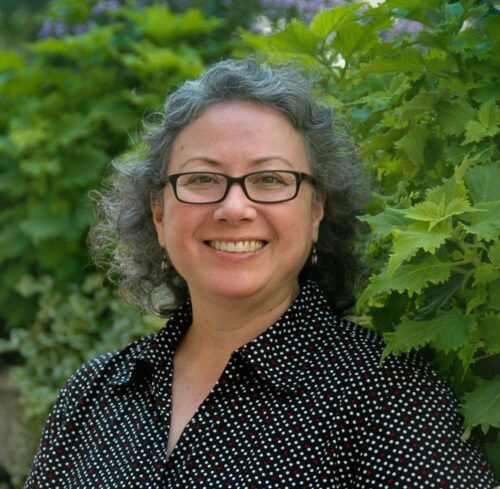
(236,138)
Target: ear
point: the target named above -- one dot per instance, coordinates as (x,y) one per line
(157,215)
(318,211)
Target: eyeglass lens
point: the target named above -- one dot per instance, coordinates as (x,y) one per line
(265,186)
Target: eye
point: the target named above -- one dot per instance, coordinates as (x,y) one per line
(201,179)
(270,179)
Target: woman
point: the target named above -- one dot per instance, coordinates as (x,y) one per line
(240,225)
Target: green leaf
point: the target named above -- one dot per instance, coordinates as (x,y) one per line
(488,125)
(489,330)
(485,225)
(475,131)
(483,182)
(353,39)
(408,60)
(409,278)
(482,406)
(328,21)
(494,296)
(422,103)
(413,144)
(449,330)
(489,114)
(494,253)
(418,236)
(485,273)
(382,223)
(295,38)
(453,117)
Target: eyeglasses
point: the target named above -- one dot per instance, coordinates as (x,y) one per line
(264,187)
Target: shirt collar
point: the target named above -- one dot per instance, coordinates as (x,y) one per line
(282,355)
(151,353)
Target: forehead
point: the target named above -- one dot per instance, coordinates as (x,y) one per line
(238,132)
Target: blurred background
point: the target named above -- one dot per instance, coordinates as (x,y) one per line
(416,82)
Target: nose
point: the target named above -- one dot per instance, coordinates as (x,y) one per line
(235,207)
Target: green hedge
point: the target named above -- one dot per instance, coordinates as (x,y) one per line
(68,106)
(423,108)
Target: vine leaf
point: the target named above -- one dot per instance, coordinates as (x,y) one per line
(328,21)
(437,331)
(489,329)
(485,225)
(382,223)
(411,278)
(482,182)
(482,406)
(406,243)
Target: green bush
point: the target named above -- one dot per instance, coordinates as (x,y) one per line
(73,324)
(423,107)
(68,106)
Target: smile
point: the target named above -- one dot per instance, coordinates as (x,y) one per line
(236,246)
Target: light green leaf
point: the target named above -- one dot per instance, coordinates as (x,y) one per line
(328,21)
(409,60)
(489,114)
(406,243)
(435,213)
(482,406)
(409,278)
(466,355)
(476,131)
(485,225)
(422,103)
(485,273)
(483,182)
(449,330)
(453,117)
(353,38)
(295,38)
(382,223)
(489,329)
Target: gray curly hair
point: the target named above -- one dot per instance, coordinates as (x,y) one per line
(124,235)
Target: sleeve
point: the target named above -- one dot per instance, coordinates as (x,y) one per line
(409,433)
(45,469)
(52,464)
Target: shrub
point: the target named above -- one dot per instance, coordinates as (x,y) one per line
(422,103)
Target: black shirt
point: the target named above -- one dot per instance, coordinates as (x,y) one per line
(304,405)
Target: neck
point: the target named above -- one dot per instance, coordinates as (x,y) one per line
(221,325)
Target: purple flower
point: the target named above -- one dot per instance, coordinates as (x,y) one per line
(402,26)
(103,6)
(53,28)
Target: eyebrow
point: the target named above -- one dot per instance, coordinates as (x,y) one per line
(257,161)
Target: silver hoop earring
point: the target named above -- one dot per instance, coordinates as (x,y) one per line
(314,255)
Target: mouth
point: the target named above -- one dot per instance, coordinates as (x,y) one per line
(236,246)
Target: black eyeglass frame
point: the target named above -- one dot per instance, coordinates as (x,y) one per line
(230,181)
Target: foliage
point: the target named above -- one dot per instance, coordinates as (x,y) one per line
(423,107)
(73,324)
(68,105)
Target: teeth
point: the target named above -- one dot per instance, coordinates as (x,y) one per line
(237,247)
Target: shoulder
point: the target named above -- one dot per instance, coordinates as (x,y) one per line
(99,372)
(355,354)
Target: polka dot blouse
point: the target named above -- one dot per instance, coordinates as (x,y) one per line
(304,405)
